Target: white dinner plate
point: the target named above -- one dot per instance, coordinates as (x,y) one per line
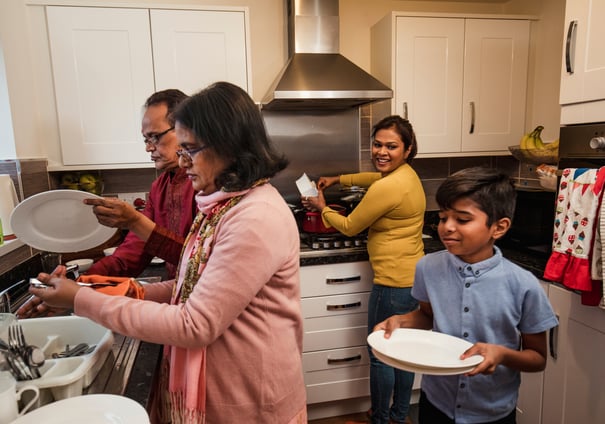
(424,348)
(58,221)
(89,409)
(420,370)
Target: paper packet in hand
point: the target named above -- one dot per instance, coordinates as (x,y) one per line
(306,187)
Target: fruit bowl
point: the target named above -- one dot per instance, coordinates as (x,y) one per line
(535,156)
(84,181)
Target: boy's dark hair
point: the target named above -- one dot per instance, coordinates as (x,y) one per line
(492,190)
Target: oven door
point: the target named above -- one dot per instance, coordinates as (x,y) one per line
(582,146)
(532,226)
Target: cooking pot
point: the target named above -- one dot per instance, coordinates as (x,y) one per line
(312,222)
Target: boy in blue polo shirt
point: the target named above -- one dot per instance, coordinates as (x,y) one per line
(470,291)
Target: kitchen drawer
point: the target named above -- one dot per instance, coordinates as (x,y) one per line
(348,277)
(338,384)
(335,305)
(335,358)
(335,332)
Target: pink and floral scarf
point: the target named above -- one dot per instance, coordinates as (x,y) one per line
(183,370)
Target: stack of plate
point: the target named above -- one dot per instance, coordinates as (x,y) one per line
(423,351)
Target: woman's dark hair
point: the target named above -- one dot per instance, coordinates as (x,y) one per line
(490,189)
(224,117)
(403,128)
(171,98)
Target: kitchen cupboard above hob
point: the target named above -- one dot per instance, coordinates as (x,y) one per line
(460,81)
(107,61)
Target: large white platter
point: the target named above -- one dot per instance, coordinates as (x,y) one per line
(424,349)
(89,409)
(58,221)
(420,370)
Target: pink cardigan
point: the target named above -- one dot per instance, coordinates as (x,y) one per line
(245,309)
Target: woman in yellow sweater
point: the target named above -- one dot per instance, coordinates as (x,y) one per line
(393,212)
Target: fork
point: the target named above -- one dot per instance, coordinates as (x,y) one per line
(33,355)
(23,352)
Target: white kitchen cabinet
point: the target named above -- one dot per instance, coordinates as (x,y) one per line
(336,362)
(103,72)
(460,81)
(107,61)
(573,381)
(193,50)
(583,64)
(334,301)
(529,403)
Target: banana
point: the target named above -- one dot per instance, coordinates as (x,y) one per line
(532,139)
(536,135)
(553,146)
(524,143)
(534,150)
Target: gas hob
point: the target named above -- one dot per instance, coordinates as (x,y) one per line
(314,245)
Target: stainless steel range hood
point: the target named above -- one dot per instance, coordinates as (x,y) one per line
(316,75)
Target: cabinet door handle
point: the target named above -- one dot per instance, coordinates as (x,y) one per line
(332,361)
(405,110)
(472,130)
(570,47)
(344,306)
(553,340)
(343,280)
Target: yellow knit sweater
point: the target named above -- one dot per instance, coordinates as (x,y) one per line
(393,211)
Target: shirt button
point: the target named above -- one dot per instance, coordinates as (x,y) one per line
(468,268)
(467,285)
(466,309)
(462,386)
(476,272)
(458,406)
(465,334)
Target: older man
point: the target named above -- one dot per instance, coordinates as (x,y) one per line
(161,228)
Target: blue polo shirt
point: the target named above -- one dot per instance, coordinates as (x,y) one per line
(492,301)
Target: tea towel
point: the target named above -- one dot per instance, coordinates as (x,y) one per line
(576,219)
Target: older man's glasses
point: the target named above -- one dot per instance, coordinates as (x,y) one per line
(187,154)
(154,139)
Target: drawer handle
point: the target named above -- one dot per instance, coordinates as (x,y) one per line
(472,129)
(553,340)
(343,280)
(570,47)
(344,360)
(344,306)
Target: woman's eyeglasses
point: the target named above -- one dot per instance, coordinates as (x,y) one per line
(187,154)
(154,139)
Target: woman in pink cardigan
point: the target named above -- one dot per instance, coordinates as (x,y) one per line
(231,322)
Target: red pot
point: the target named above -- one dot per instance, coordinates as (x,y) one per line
(312,222)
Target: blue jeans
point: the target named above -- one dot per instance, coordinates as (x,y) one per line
(386,381)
